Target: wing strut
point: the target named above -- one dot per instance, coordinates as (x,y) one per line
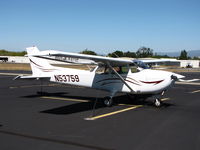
(120,77)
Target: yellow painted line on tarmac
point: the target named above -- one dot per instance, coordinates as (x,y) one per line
(29,86)
(113,113)
(165,99)
(120,111)
(188,83)
(25,86)
(125,105)
(65,99)
(13,87)
(197,91)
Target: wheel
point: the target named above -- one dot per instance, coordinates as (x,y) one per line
(157,102)
(108,101)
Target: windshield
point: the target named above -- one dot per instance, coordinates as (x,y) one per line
(140,64)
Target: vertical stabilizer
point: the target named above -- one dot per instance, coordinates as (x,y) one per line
(40,67)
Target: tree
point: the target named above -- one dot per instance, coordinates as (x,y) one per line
(130,54)
(11,53)
(116,54)
(144,52)
(88,52)
(196,58)
(183,55)
(160,56)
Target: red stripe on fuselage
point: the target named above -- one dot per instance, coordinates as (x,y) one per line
(152,82)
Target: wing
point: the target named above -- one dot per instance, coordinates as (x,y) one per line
(21,77)
(97,59)
(144,63)
(158,60)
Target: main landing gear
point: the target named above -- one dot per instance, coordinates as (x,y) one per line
(108,101)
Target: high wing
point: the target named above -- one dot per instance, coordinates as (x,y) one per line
(158,60)
(30,77)
(144,63)
(97,59)
(47,54)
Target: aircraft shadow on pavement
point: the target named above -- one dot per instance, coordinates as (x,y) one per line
(125,99)
(73,108)
(39,94)
(77,107)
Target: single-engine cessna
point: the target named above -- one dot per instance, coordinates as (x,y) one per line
(110,74)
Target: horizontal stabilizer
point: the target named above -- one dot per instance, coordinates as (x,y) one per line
(29,78)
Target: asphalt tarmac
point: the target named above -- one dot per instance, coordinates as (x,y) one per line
(62,118)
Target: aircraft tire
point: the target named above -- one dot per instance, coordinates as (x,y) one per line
(157,102)
(108,101)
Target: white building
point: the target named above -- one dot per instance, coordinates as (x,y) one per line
(189,63)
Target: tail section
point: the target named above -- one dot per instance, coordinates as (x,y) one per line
(40,66)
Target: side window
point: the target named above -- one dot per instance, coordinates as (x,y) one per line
(125,69)
(102,70)
(133,68)
(122,69)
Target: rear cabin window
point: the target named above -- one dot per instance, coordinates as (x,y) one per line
(133,68)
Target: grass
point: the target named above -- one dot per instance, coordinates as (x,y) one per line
(13,66)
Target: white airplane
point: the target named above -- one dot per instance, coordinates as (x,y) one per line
(110,74)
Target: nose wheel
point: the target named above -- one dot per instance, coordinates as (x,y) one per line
(157,102)
(108,101)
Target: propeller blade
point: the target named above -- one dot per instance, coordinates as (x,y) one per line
(192,80)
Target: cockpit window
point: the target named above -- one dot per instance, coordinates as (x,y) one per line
(140,64)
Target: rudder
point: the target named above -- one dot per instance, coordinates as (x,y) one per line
(39,66)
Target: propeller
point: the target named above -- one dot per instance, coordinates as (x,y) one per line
(178,77)
(192,80)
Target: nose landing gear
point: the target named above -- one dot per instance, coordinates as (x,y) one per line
(157,102)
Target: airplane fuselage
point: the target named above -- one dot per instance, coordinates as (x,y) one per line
(146,81)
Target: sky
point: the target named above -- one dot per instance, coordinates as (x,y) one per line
(102,26)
